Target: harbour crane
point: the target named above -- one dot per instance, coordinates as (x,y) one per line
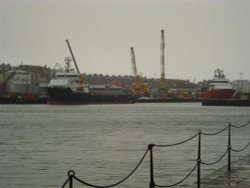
(163,83)
(138,87)
(77,69)
(134,69)
(73,57)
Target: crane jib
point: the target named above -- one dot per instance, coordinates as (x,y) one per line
(73,57)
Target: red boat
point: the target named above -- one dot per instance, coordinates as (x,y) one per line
(219,87)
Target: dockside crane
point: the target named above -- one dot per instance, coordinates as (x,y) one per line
(77,69)
(134,69)
(138,87)
(162,90)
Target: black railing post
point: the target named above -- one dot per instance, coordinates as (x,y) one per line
(199,161)
(71,174)
(229,148)
(152,183)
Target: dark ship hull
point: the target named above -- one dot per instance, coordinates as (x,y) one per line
(20,98)
(67,96)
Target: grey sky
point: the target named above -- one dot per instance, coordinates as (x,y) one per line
(201,35)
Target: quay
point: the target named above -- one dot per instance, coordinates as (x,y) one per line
(225,102)
(168,100)
(238,177)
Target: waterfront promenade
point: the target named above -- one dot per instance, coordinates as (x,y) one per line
(238,177)
(234,174)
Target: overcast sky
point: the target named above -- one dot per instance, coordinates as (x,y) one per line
(200,35)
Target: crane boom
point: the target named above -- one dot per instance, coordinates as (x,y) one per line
(133,61)
(80,88)
(162,55)
(73,57)
(163,83)
(138,86)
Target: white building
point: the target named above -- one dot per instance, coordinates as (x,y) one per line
(242,86)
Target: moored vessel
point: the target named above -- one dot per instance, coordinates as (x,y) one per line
(67,88)
(219,87)
(61,90)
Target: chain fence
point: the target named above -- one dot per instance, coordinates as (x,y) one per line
(72,175)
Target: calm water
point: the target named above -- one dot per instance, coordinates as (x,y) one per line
(103,143)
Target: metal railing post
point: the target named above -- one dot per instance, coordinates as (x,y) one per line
(229,148)
(152,183)
(71,174)
(199,161)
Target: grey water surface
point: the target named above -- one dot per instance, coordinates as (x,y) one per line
(104,143)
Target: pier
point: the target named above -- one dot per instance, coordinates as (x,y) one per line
(168,100)
(225,102)
(234,174)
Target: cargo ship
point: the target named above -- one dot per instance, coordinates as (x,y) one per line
(219,87)
(67,88)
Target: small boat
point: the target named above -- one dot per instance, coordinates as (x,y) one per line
(219,87)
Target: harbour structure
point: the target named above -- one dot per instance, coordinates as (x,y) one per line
(20,86)
(3,69)
(162,90)
(181,93)
(68,88)
(242,86)
(19,81)
(138,87)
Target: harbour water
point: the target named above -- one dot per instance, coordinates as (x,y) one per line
(103,143)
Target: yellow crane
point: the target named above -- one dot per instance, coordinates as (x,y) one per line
(138,87)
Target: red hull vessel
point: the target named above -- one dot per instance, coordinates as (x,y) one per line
(220,93)
(219,87)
